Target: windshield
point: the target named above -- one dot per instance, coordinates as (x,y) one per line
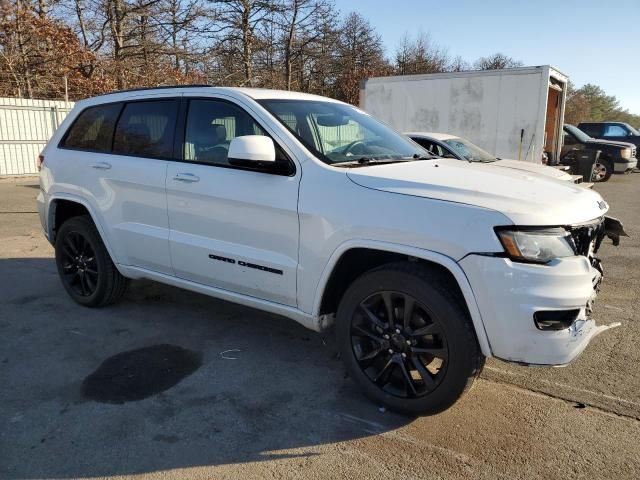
(338,133)
(576,132)
(469,151)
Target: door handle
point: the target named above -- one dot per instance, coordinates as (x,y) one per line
(186,177)
(101,165)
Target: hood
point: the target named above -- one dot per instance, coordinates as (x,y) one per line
(534,168)
(596,141)
(526,199)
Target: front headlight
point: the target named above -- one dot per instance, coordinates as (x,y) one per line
(536,245)
(626,153)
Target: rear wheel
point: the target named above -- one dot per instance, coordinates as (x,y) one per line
(406,340)
(602,171)
(84,265)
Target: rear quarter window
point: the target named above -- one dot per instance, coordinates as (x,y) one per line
(93,129)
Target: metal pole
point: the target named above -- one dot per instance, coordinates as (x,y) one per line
(54,119)
(66,90)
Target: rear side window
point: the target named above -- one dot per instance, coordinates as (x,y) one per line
(146,129)
(93,129)
(593,130)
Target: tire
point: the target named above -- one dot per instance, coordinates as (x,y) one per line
(602,171)
(84,265)
(440,332)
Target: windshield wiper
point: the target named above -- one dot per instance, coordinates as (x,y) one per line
(351,163)
(364,161)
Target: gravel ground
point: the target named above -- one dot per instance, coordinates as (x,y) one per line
(269,399)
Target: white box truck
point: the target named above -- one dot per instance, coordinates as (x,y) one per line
(515,113)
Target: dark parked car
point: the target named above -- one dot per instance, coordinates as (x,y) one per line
(615,131)
(618,157)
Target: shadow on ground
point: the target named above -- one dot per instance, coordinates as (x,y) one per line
(264,385)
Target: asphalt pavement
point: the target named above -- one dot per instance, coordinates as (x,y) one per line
(254,395)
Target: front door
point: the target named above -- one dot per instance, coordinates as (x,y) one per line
(232,227)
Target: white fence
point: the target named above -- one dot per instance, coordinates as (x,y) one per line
(25,128)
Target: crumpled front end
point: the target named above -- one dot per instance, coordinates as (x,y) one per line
(541,314)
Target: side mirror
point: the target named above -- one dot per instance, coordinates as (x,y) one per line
(252,148)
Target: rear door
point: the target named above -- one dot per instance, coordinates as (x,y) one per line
(116,155)
(592,129)
(232,227)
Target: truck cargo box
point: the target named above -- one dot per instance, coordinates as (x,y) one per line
(514,113)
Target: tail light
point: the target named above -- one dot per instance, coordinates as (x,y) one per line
(40,162)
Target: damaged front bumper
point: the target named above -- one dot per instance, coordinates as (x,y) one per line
(511,297)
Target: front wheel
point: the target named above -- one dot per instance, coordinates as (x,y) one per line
(84,265)
(407,340)
(602,171)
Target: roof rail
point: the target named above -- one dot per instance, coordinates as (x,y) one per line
(161,87)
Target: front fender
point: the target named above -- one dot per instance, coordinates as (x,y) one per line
(428,255)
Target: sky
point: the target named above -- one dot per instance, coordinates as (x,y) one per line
(592,41)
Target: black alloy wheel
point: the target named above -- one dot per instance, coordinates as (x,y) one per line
(406,338)
(79,264)
(86,270)
(399,344)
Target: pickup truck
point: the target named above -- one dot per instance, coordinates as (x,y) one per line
(614,131)
(615,157)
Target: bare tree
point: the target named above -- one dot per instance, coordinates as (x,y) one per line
(360,54)
(297,18)
(420,55)
(321,55)
(240,22)
(458,64)
(497,61)
(179,22)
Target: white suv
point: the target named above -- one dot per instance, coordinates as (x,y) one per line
(310,208)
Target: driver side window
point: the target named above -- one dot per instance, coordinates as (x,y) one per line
(211,125)
(438,150)
(615,131)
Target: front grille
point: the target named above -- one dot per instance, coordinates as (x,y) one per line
(633,152)
(586,236)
